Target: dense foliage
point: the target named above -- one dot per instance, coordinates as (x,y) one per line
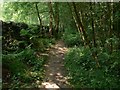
(91,30)
(83,72)
(24,67)
(72,38)
(22,62)
(93,60)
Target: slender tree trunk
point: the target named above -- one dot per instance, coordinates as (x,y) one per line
(55,16)
(94,53)
(93,31)
(56,19)
(51,18)
(111,27)
(93,26)
(80,25)
(79,31)
(40,21)
(81,28)
(110,8)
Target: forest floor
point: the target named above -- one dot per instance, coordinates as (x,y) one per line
(55,74)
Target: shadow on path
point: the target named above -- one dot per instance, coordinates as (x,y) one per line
(55,71)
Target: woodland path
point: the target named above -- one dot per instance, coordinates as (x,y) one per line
(55,75)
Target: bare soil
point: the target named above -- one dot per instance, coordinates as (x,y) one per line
(55,75)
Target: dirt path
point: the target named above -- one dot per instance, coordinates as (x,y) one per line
(55,71)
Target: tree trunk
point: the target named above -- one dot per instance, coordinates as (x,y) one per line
(51,19)
(111,27)
(94,53)
(93,26)
(56,19)
(40,21)
(80,25)
(110,8)
(81,28)
(79,31)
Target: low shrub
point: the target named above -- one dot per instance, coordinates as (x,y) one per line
(24,67)
(72,37)
(40,44)
(12,62)
(21,57)
(83,72)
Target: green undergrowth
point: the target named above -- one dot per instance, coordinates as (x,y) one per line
(83,73)
(37,42)
(40,44)
(71,38)
(22,60)
(25,68)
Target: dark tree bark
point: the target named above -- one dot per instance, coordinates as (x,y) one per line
(93,26)
(40,21)
(94,53)
(56,19)
(80,25)
(111,27)
(55,16)
(110,11)
(51,18)
(82,30)
(73,17)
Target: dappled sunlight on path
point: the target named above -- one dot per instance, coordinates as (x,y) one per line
(55,75)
